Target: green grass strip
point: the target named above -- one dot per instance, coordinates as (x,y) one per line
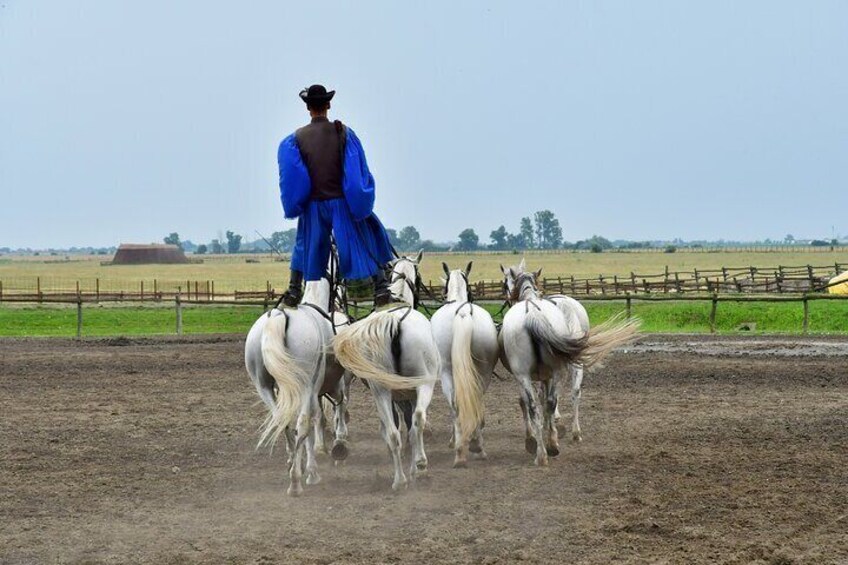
(826,317)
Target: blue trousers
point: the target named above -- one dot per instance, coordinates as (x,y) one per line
(363,245)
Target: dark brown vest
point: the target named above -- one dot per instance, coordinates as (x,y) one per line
(319,148)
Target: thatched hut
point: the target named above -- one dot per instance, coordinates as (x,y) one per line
(140,254)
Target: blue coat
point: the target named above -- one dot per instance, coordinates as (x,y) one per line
(295,186)
(361,239)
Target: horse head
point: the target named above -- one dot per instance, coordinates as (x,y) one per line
(520,283)
(457,287)
(403,283)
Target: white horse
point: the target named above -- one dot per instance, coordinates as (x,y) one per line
(542,339)
(394,351)
(468,345)
(287,355)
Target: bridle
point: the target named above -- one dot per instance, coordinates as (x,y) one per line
(521,281)
(413,285)
(467,289)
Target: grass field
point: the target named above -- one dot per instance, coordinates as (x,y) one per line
(233,272)
(671,317)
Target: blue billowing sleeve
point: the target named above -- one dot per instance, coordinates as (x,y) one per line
(358,182)
(295,183)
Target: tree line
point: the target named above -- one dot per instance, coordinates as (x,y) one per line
(542,230)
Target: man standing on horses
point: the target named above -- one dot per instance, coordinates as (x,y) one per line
(325,183)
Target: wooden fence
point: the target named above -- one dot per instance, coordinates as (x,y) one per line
(179,303)
(727,280)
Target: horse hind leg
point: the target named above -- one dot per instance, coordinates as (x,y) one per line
(419,424)
(340,449)
(312,476)
(476,444)
(576,384)
(534,418)
(303,429)
(529,441)
(551,433)
(383,400)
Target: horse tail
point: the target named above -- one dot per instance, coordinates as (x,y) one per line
(607,336)
(468,392)
(366,350)
(290,377)
(552,334)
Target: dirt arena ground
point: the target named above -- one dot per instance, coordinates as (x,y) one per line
(696,450)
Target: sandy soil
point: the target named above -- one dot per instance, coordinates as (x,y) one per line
(695,451)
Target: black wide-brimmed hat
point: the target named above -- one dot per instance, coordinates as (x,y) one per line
(316,94)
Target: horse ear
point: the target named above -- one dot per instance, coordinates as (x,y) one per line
(538,274)
(419,256)
(511,273)
(522,265)
(502,269)
(468,268)
(445,267)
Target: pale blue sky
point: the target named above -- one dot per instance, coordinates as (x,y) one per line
(123,121)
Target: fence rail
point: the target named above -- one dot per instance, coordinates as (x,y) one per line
(726,280)
(179,303)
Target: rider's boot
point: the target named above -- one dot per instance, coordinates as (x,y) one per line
(292,296)
(382,296)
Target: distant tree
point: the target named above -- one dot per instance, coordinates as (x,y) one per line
(526,231)
(670,249)
(428,245)
(547,230)
(201,249)
(499,238)
(468,240)
(283,241)
(233,242)
(216,247)
(596,248)
(819,243)
(596,240)
(515,241)
(409,238)
(173,239)
(393,237)
(790,239)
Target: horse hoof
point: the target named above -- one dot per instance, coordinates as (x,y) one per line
(541,462)
(313,479)
(482,456)
(553,451)
(460,464)
(339,452)
(530,445)
(576,437)
(398,485)
(295,490)
(475,447)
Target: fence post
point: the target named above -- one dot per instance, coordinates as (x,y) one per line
(213,290)
(97,289)
(38,288)
(179,306)
(629,312)
(713,314)
(79,318)
(1,291)
(141,290)
(806,314)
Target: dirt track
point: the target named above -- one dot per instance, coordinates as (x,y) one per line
(143,451)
